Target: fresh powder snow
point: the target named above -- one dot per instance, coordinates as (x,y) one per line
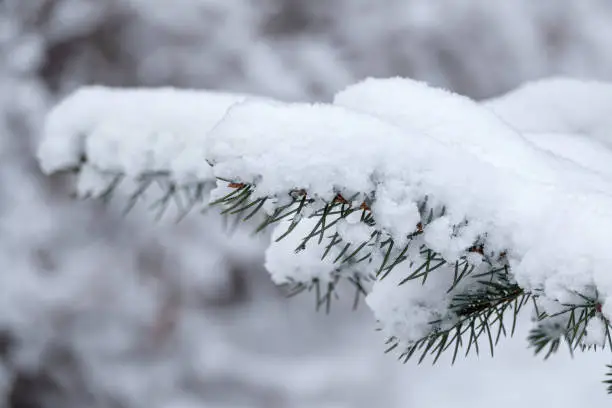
(538,192)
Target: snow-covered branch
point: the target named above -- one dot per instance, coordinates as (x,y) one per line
(488,205)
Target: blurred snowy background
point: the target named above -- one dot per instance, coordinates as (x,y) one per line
(102,310)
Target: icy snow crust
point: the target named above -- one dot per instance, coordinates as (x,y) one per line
(529,171)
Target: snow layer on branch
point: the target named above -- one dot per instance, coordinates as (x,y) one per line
(315,147)
(558,105)
(133,131)
(458,121)
(394,141)
(582,149)
(553,216)
(406,311)
(568,117)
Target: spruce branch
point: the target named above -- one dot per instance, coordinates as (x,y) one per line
(485,310)
(326,292)
(608,380)
(480,311)
(184,196)
(484,306)
(570,325)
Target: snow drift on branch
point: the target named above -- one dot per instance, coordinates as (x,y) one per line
(133,131)
(397,144)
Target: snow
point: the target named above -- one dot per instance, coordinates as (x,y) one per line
(462,123)
(405,311)
(110,127)
(595,332)
(352,229)
(394,141)
(302,266)
(522,209)
(340,147)
(450,241)
(557,105)
(450,149)
(270,351)
(289,265)
(280,146)
(565,116)
(579,148)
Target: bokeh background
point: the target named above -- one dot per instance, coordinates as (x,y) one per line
(98,309)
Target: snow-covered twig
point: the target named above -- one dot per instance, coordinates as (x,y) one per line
(487,205)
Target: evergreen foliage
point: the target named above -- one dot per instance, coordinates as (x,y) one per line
(481,313)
